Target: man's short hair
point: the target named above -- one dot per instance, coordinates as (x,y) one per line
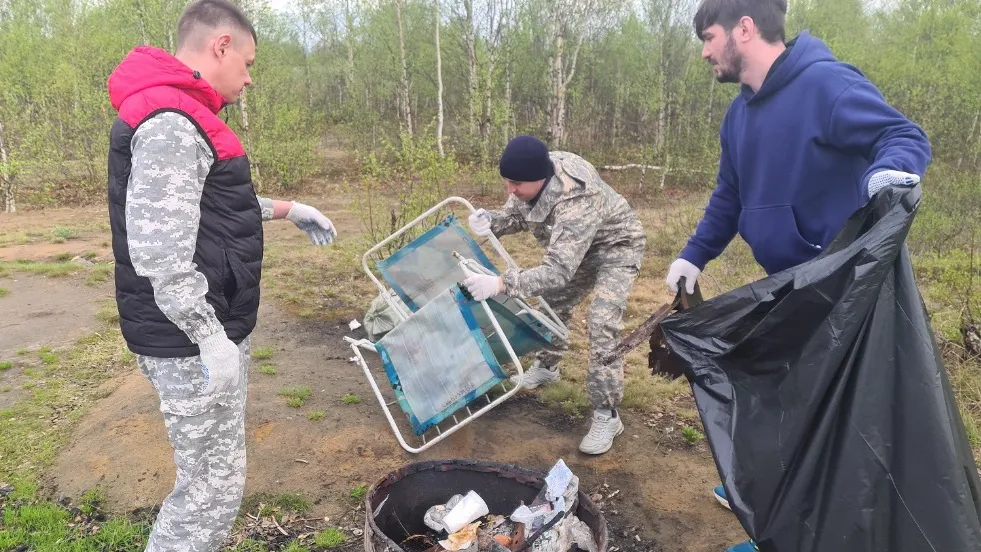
(212,14)
(769,16)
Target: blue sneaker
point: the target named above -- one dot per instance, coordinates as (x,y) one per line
(720,494)
(748,546)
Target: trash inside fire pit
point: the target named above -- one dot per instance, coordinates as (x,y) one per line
(481,507)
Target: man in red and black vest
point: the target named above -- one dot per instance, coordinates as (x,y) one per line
(187,239)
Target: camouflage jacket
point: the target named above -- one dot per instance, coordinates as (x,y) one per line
(581,222)
(170,162)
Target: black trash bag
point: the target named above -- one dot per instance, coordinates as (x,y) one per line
(826,403)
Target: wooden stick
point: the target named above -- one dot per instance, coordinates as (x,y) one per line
(281,530)
(630,166)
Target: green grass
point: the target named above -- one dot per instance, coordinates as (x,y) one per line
(262,353)
(99,273)
(295,546)
(20,238)
(292,502)
(108,313)
(268,369)
(91,501)
(296,396)
(359,492)
(566,397)
(691,435)
(47,356)
(350,398)
(61,267)
(329,277)
(45,527)
(250,545)
(316,415)
(64,233)
(6,365)
(29,442)
(53,270)
(22,352)
(4,292)
(329,538)
(265,504)
(650,390)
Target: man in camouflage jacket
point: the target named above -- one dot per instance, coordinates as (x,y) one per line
(593,241)
(187,239)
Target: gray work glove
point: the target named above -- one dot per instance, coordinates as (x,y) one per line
(313,222)
(882,179)
(220,358)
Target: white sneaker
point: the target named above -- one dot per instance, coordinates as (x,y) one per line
(601,433)
(536,376)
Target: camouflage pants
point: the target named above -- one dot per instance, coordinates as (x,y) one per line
(612,284)
(208,436)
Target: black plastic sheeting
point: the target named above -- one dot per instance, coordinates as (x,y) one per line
(827,405)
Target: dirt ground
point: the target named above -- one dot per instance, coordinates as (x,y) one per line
(44,312)
(656,491)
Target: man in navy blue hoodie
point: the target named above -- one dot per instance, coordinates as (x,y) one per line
(807,142)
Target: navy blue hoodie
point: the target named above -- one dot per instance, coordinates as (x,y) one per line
(797,157)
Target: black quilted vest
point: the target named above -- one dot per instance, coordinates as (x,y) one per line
(229,241)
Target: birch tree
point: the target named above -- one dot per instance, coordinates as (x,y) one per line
(404,98)
(6,176)
(497,16)
(569,22)
(439,81)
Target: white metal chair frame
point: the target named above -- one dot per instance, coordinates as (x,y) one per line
(548,319)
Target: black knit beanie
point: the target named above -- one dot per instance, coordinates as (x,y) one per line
(525,159)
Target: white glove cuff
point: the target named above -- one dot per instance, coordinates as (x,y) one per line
(214,344)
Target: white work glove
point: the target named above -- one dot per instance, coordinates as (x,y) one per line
(221,362)
(313,222)
(882,179)
(480,223)
(682,268)
(483,286)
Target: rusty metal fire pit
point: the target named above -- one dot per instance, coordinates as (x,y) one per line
(395,505)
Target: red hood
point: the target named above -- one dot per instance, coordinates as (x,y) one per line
(146,67)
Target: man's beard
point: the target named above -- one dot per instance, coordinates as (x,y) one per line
(731,64)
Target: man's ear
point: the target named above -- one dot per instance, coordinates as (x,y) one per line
(745,28)
(221,44)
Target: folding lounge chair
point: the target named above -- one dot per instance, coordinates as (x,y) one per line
(448,351)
